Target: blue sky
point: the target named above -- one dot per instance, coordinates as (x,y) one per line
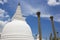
(29,8)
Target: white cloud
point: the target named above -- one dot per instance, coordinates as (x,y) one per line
(1,13)
(53,2)
(57,17)
(2,23)
(45,15)
(29,10)
(32,11)
(3,1)
(4,14)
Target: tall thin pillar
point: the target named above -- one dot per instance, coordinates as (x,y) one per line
(51,36)
(53,28)
(39,26)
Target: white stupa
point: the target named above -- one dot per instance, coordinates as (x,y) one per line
(18,29)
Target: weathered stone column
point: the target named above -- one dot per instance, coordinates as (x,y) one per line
(39,26)
(53,28)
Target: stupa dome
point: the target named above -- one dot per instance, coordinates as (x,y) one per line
(17,29)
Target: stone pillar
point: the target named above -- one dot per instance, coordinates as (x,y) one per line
(39,26)
(53,28)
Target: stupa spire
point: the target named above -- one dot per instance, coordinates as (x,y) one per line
(18,14)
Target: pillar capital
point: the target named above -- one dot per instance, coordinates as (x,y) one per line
(51,17)
(38,14)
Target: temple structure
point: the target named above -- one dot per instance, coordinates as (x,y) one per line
(17,29)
